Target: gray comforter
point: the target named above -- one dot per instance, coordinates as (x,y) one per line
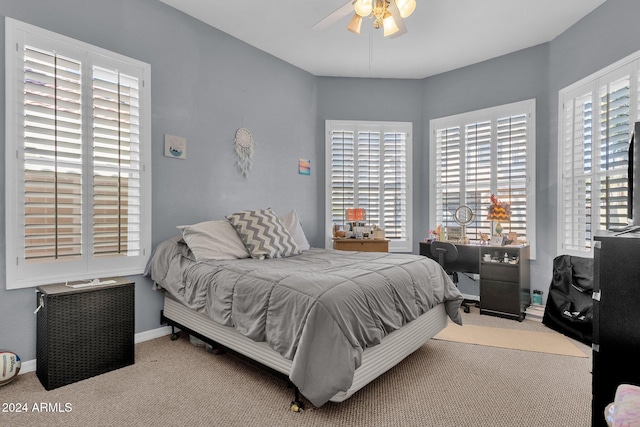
(320,309)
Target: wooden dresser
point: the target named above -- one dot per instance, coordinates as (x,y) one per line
(362,245)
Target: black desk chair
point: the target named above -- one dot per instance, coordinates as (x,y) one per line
(447,252)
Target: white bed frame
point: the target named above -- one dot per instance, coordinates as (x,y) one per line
(375,360)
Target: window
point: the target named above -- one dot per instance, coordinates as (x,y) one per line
(477,154)
(595,125)
(78,195)
(368,166)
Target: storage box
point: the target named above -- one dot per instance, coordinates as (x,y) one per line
(83,332)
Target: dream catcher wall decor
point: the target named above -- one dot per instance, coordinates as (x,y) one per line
(244,150)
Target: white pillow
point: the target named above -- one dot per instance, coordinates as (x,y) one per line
(216,240)
(292,224)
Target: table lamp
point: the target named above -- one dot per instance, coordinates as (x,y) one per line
(355,214)
(498,211)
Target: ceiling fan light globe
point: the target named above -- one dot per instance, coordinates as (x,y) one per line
(406,7)
(355,24)
(389,25)
(363,7)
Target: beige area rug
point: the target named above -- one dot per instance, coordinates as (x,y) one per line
(540,342)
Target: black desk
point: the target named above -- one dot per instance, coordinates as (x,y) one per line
(468,260)
(504,286)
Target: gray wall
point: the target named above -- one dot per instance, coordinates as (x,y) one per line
(603,37)
(206,84)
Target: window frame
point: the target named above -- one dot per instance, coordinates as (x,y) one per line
(18,274)
(492,115)
(395,245)
(628,66)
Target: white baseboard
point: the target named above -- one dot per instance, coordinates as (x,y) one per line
(152,334)
(30,365)
(27,366)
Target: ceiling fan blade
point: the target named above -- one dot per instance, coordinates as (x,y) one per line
(335,16)
(395,13)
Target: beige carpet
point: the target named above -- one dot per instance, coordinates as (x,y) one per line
(541,342)
(442,384)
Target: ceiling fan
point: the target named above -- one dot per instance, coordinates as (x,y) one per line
(387,14)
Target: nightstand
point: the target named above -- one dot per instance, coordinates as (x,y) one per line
(361,245)
(83,332)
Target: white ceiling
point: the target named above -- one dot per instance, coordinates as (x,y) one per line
(442,34)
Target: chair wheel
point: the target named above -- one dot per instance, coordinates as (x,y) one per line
(467,310)
(297,406)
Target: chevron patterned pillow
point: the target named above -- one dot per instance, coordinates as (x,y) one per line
(263,234)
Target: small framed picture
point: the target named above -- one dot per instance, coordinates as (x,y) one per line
(304,167)
(497,241)
(175,147)
(454,233)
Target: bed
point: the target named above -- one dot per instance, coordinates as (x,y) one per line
(329,321)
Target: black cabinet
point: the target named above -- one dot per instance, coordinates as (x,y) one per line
(616,318)
(504,281)
(83,332)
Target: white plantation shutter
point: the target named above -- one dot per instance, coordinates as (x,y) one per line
(596,118)
(77,154)
(368,182)
(342,175)
(477,154)
(575,173)
(512,170)
(478,167)
(449,172)
(370,169)
(612,154)
(394,184)
(116,163)
(52,130)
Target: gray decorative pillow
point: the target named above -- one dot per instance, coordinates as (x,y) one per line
(263,234)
